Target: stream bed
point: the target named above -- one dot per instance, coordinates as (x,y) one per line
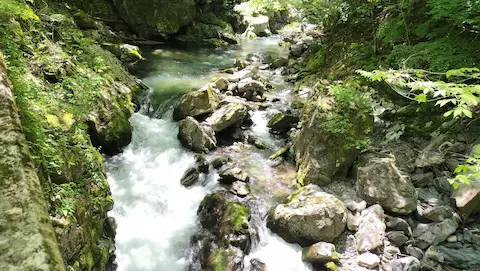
(155,214)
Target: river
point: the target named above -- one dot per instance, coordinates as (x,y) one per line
(156,215)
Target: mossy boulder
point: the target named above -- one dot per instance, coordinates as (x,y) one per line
(197,104)
(125,52)
(211,32)
(195,136)
(309,216)
(156,18)
(226,219)
(320,252)
(336,125)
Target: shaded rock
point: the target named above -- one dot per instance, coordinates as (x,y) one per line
(320,253)
(415,252)
(190,177)
(218,162)
(422,179)
(371,229)
(398,224)
(231,175)
(397,237)
(463,258)
(406,264)
(297,49)
(282,122)
(201,163)
(154,18)
(309,216)
(380,181)
(241,75)
(240,189)
(227,116)
(368,260)
(434,233)
(196,104)
(195,136)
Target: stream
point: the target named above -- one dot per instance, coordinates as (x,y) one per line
(155,214)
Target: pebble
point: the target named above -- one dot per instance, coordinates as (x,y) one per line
(368,260)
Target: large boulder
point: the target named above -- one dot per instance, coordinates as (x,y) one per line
(195,136)
(227,220)
(380,181)
(156,18)
(324,152)
(227,116)
(371,229)
(197,104)
(467,198)
(309,216)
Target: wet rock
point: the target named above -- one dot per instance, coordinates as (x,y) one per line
(282,122)
(368,260)
(256,142)
(227,116)
(309,216)
(256,265)
(240,189)
(406,264)
(225,259)
(190,177)
(462,258)
(380,181)
(261,57)
(371,229)
(218,162)
(195,136)
(201,163)
(225,219)
(221,84)
(249,88)
(397,237)
(320,253)
(434,233)
(196,104)
(231,175)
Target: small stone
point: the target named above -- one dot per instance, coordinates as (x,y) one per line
(321,252)
(368,260)
(352,221)
(371,229)
(220,161)
(201,163)
(221,84)
(398,224)
(452,239)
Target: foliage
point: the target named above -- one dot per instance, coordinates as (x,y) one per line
(468,172)
(425,86)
